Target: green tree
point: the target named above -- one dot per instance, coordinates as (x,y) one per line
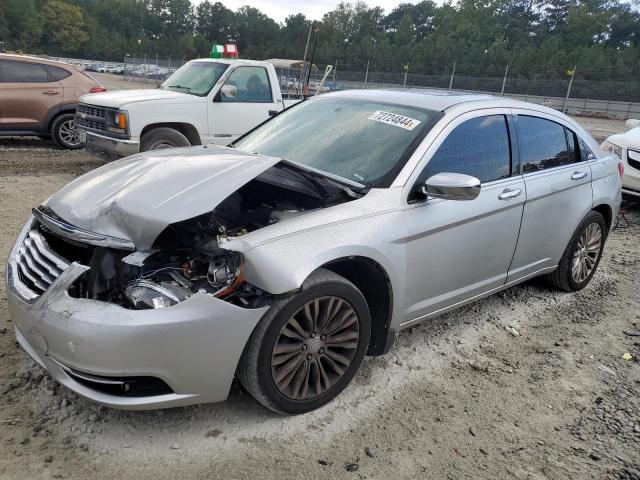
(63,27)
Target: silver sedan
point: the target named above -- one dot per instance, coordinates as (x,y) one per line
(310,242)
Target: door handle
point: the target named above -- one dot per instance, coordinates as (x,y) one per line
(50,92)
(577,175)
(273,113)
(508,193)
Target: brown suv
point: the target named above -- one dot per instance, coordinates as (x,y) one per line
(39,97)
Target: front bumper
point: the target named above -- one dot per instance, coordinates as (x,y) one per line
(193,347)
(109,148)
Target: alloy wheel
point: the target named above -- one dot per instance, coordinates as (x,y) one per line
(315,348)
(586,252)
(69,134)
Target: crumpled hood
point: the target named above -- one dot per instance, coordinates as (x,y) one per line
(137,197)
(122,97)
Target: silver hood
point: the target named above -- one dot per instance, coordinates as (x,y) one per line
(137,197)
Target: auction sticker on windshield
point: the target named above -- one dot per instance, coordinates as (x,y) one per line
(394,119)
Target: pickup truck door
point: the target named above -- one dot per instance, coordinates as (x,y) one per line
(246,99)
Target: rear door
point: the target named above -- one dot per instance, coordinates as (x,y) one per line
(559,192)
(27,94)
(251,101)
(457,250)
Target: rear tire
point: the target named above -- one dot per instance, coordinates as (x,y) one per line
(582,256)
(161,138)
(64,132)
(298,359)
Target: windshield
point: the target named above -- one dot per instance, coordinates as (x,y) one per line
(196,78)
(359,140)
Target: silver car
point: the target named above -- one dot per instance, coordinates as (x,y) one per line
(311,242)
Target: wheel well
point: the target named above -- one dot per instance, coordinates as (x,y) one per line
(605,210)
(186,129)
(53,118)
(373,282)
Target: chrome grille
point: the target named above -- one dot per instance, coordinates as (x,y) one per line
(38,265)
(91,118)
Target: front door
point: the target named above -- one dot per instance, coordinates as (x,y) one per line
(27,94)
(245,100)
(457,250)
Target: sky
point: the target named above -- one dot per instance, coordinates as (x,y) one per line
(313,9)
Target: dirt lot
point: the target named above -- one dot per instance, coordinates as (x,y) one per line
(459,397)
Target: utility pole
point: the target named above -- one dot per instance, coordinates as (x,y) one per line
(366,74)
(304,59)
(504,80)
(573,75)
(313,54)
(453,72)
(406,70)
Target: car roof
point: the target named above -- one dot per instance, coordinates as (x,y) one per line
(34,59)
(435,99)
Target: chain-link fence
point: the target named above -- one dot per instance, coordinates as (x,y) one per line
(574,89)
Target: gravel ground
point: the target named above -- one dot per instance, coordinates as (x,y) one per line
(530,383)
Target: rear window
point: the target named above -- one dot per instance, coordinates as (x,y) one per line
(22,72)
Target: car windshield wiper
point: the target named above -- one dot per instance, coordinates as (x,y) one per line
(180,86)
(344,184)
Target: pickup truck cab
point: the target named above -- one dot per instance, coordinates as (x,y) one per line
(205,101)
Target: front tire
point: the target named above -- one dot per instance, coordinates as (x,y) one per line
(582,255)
(308,346)
(64,132)
(161,138)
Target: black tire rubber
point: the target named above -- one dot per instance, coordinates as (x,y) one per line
(254,369)
(166,134)
(561,277)
(55,131)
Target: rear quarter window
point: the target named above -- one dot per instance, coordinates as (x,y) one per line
(56,73)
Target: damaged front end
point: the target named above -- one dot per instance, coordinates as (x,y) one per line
(188,256)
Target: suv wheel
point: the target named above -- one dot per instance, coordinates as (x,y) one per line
(163,137)
(582,256)
(64,132)
(308,346)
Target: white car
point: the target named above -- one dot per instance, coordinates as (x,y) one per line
(627,147)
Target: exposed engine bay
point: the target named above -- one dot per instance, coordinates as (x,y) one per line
(187,257)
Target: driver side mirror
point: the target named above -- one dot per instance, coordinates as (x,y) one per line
(451,186)
(229,91)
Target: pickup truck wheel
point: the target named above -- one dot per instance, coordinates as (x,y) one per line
(306,349)
(64,132)
(163,137)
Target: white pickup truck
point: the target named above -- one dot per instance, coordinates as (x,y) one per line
(205,101)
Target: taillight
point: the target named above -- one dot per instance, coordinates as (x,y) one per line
(97,90)
(620,169)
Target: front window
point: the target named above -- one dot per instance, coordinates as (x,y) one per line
(247,85)
(360,140)
(196,78)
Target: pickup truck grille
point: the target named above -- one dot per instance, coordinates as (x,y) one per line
(89,117)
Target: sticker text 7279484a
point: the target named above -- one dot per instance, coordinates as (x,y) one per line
(395,119)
